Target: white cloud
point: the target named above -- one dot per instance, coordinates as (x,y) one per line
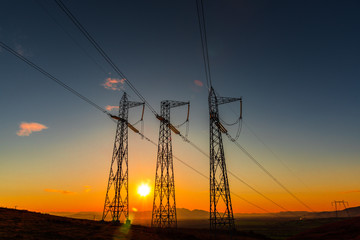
(19,49)
(27,128)
(198,83)
(110,108)
(114,84)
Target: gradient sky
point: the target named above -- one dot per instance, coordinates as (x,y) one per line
(295,63)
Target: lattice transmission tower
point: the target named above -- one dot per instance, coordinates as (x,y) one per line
(221,213)
(164,206)
(117,193)
(338,204)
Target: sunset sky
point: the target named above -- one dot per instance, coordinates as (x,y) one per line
(295,63)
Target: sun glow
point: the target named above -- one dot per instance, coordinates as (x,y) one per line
(143,190)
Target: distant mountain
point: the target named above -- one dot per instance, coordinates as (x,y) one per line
(182,213)
(349,212)
(186,214)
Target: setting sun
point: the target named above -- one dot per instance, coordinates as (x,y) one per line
(143,190)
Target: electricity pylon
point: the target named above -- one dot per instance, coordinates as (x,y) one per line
(117,194)
(221,213)
(336,203)
(164,206)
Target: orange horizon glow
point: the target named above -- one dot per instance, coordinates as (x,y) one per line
(65,190)
(52,200)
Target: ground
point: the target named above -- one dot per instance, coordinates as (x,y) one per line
(347,229)
(22,224)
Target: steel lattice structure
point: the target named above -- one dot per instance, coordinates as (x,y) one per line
(221,213)
(117,195)
(339,203)
(164,206)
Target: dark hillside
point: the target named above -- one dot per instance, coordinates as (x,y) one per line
(22,224)
(348,229)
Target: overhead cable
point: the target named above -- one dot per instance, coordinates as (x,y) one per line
(233,174)
(107,58)
(267,172)
(203,37)
(206,177)
(102,52)
(71,37)
(275,155)
(56,80)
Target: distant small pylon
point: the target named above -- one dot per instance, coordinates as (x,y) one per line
(339,203)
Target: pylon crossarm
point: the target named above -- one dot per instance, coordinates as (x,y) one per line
(224,100)
(135,104)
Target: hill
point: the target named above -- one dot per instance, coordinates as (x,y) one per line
(22,224)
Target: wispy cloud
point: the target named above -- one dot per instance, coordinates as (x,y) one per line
(113,84)
(87,189)
(27,128)
(352,191)
(58,191)
(198,83)
(110,108)
(19,49)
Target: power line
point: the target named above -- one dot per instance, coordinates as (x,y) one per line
(253,204)
(249,186)
(200,10)
(270,150)
(71,37)
(206,177)
(274,154)
(235,176)
(203,37)
(202,26)
(102,52)
(56,80)
(107,58)
(267,172)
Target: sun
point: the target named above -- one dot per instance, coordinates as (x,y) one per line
(143,190)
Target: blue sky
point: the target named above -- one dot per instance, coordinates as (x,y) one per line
(295,63)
